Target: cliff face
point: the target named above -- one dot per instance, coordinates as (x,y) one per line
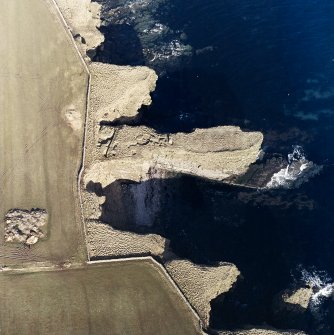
(105,241)
(215,153)
(133,166)
(117,150)
(83,18)
(201,284)
(118,92)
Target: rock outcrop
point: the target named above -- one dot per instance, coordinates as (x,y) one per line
(216,153)
(106,242)
(290,308)
(23,226)
(147,41)
(201,284)
(301,297)
(116,151)
(83,18)
(118,92)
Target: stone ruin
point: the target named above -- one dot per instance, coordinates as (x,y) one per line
(25,226)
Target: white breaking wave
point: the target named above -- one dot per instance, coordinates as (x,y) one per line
(298,171)
(322,286)
(158,28)
(168,50)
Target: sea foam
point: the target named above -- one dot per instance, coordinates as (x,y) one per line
(322,286)
(298,171)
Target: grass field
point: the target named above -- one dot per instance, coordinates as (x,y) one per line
(43,87)
(118,298)
(41,78)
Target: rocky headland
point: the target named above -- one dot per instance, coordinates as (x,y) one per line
(118,150)
(132,152)
(200,284)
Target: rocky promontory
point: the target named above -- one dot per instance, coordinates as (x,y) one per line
(132,152)
(118,92)
(200,284)
(117,150)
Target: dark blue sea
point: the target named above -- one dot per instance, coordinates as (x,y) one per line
(264,65)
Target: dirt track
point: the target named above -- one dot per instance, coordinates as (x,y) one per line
(43,87)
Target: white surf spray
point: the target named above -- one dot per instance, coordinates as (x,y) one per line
(323,289)
(298,171)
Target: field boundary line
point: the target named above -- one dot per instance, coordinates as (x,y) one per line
(164,272)
(80,174)
(84,141)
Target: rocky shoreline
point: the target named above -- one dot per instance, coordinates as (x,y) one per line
(117,150)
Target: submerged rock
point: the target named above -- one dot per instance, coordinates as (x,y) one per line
(274,171)
(135,36)
(298,171)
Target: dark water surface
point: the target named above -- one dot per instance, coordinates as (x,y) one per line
(262,65)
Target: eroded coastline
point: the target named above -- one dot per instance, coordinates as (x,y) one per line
(35,273)
(119,151)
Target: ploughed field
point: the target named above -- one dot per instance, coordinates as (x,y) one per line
(43,87)
(128,297)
